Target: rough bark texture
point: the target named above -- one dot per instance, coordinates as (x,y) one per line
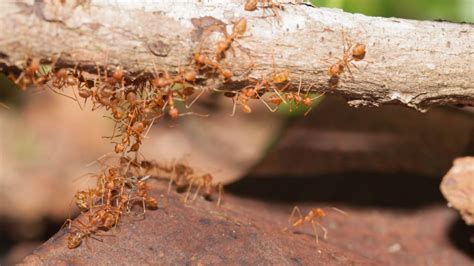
(415,63)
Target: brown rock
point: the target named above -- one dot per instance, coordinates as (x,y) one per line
(458,188)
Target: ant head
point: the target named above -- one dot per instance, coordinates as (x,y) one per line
(307,101)
(173,112)
(207,178)
(132,98)
(190,75)
(119,148)
(118,73)
(226,73)
(34,64)
(151,203)
(335,70)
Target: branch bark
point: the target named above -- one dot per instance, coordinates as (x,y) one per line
(414,63)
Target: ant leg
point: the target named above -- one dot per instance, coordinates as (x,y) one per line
(20,77)
(299,86)
(197,191)
(312,99)
(315,232)
(195,99)
(297,222)
(170,183)
(345,42)
(68,221)
(275,89)
(295,210)
(266,104)
(62,94)
(340,211)
(144,207)
(234,107)
(324,230)
(221,187)
(149,127)
(354,65)
(193,113)
(167,201)
(190,186)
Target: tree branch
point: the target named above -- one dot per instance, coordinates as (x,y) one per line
(414,63)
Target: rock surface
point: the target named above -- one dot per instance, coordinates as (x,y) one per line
(458,188)
(249,231)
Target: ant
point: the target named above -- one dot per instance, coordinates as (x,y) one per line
(351,52)
(148,202)
(298,99)
(28,75)
(238,30)
(81,231)
(252,5)
(202,62)
(260,87)
(313,217)
(242,100)
(204,182)
(180,175)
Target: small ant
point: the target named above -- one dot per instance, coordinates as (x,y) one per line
(204,182)
(203,62)
(238,30)
(252,5)
(28,76)
(81,231)
(180,176)
(148,202)
(351,52)
(298,99)
(312,218)
(257,90)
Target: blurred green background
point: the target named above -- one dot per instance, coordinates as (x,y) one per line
(452,10)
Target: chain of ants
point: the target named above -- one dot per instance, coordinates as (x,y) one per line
(136,104)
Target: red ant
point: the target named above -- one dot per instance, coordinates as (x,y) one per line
(251,5)
(238,30)
(28,76)
(81,231)
(204,182)
(312,218)
(350,53)
(148,202)
(298,99)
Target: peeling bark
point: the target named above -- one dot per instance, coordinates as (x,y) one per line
(413,63)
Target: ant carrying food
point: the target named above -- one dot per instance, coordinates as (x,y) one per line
(351,52)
